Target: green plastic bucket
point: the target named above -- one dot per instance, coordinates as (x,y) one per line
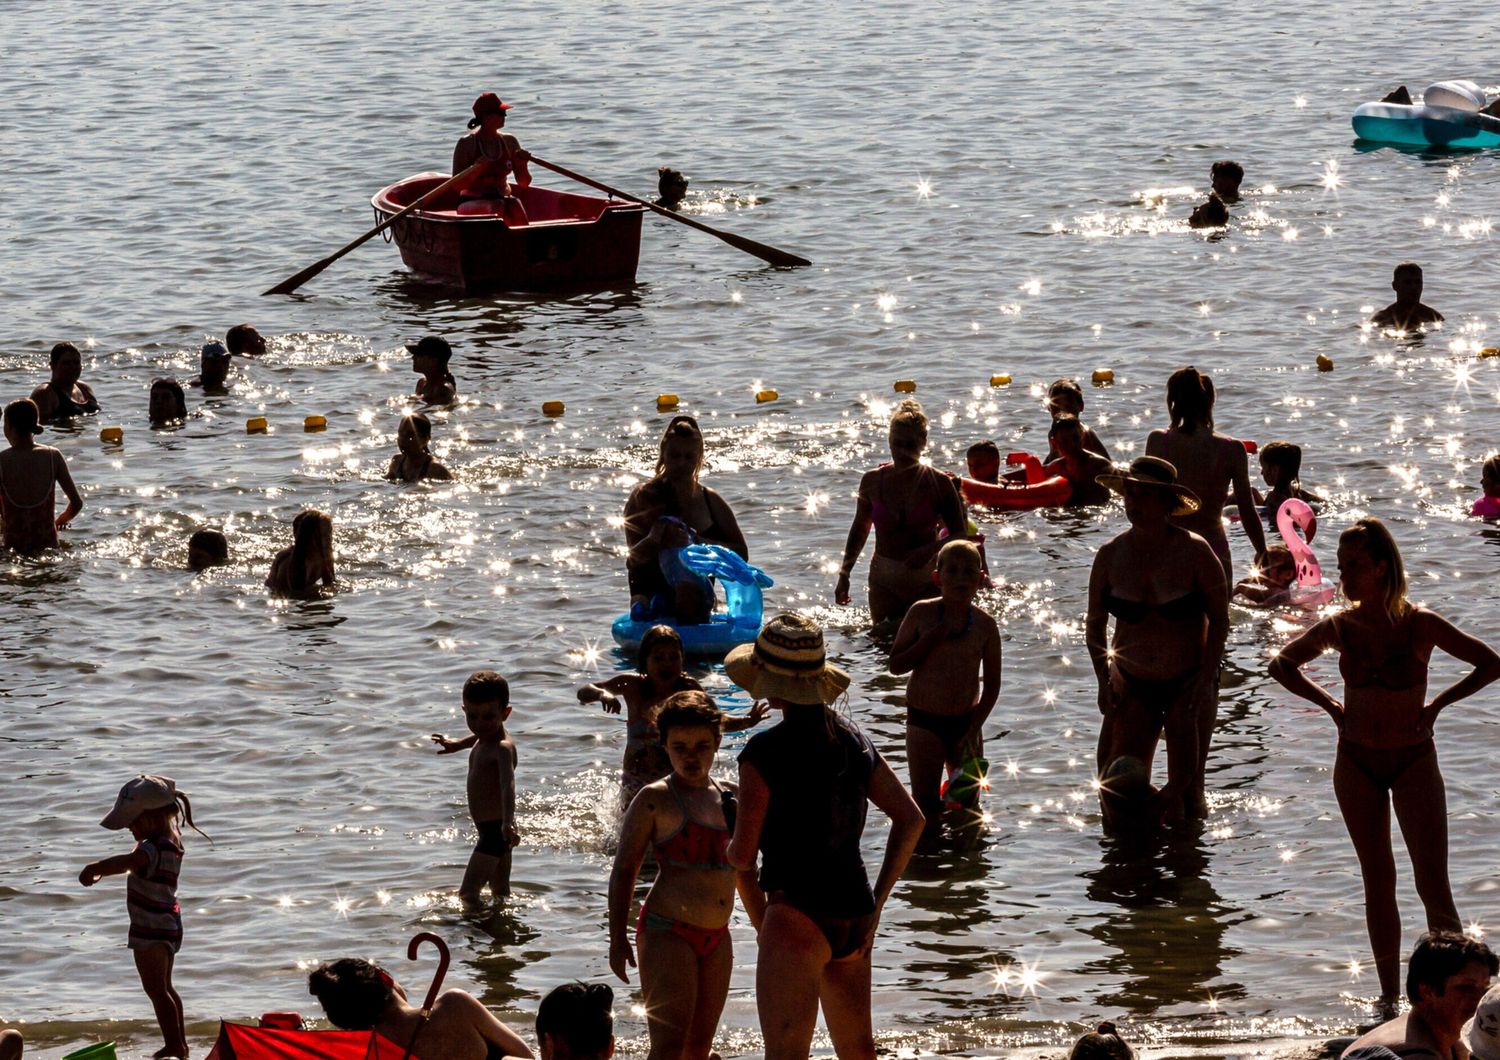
(102,1051)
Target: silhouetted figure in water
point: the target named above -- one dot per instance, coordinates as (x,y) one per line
(671,188)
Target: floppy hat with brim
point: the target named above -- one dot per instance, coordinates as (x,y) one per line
(1154,471)
(138,796)
(1482,1033)
(787,662)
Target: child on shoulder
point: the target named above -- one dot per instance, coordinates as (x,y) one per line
(149,806)
(947,645)
(659,674)
(491,784)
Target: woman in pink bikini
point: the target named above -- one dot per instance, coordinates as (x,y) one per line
(1386,755)
(907,503)
(683,930)
(29,477)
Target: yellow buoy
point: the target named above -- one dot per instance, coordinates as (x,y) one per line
(315,423)
(1103,376)
(906,386)
(112,436)
(999,380)
(256,425)
(1490,351)
(552,408)
(1325,363)
(666,401)
(762,396)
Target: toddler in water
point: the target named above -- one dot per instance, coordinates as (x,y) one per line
(1407,311)
(984,462)
(207,548)
(1065,398)
(946,645)
(659,663)
(1488,506)
(1280,466)
(491,784)
(149,806)
(415,461)
(1269,585)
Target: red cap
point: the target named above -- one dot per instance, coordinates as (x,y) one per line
(488,103)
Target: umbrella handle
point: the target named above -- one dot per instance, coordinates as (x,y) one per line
(442,968)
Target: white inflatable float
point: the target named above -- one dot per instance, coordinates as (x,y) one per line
(1448,116)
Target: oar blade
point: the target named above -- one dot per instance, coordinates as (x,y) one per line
(782,258)
(291,283)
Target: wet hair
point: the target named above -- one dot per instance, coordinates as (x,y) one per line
(421,424)
(1441,954)
(581,1015)
(686,709)
(23,416)
(1190,399)
(1233,170)
(960,545)
(1066,385)
(1407,266)
(1286,458)
(487,686)
(1373,536)
(985,449)
(211,541)
(306,528)
(1066,422)
(654,636)
(179,399)
(236,339)
(63,348)
(353,992)
(909,414)
(1102,1043)
(1490,467)
(680,428)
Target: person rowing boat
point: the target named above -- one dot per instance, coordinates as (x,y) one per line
(489,191)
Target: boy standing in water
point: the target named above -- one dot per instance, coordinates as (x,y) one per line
(1408,310)
(491,786)
(946,644)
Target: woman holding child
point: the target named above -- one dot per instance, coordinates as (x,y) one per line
(804,785)
(1165,589)
(1386,756)
(907,503)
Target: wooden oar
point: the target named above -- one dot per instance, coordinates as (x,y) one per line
(291,283)
(749,246)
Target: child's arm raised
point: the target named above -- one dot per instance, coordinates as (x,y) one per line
(95,871)
(608,693)
(448,747)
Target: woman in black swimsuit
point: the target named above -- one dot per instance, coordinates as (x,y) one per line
(63,397)
(415,461)
(804,785)
(1385,752)
(358,995)
(1165,588)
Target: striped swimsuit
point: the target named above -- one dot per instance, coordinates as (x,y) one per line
(151,896)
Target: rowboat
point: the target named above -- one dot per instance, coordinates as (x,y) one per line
(567,241)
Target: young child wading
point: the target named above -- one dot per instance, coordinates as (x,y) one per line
(491,787)
(149,807)
(946,644)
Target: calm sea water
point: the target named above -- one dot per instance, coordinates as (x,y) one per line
(983,190)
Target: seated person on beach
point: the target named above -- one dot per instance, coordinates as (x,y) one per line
(358,995)
(244,340)
(1225,177)
(1065,398)
(1209,214)
(207,548)
(168,404)
(576,1021)
(213,369)
(415,461)
(1076,464)
(309,560)
(1407,311)
(1269,585)
(30,475)
(1488,505)
(488,191)
(429,359)
(63,396)
(1447,975)
(671,188)
(984,462)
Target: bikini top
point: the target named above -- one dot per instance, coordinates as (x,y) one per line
(1394,666)
(1185,608)
(662,495)
(66,406)
(921,515)
(694,845)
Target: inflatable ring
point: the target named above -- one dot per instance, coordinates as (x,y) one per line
(1040,490)
(739,622)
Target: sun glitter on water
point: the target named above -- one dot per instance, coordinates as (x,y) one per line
(924,188)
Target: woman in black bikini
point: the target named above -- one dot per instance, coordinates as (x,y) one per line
(804,785)
(415,461)
(1165,588)
(1385,752)
(358,995)
(63,397)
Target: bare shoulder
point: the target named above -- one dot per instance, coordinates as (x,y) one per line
(986,623)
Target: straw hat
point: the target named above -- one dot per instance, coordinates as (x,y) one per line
(1154,471)
(1482,1033)
(788,662)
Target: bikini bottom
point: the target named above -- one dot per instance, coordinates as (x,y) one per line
(907,584)
(703,940)
(1158,695)
(845,934)
(1384,766)
(949,728)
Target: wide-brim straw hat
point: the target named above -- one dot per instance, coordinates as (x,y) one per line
(1154,471)
(787,662)
(1482,1033)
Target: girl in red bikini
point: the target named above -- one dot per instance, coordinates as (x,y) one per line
(1386,756)
(29,477)
(683,929)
